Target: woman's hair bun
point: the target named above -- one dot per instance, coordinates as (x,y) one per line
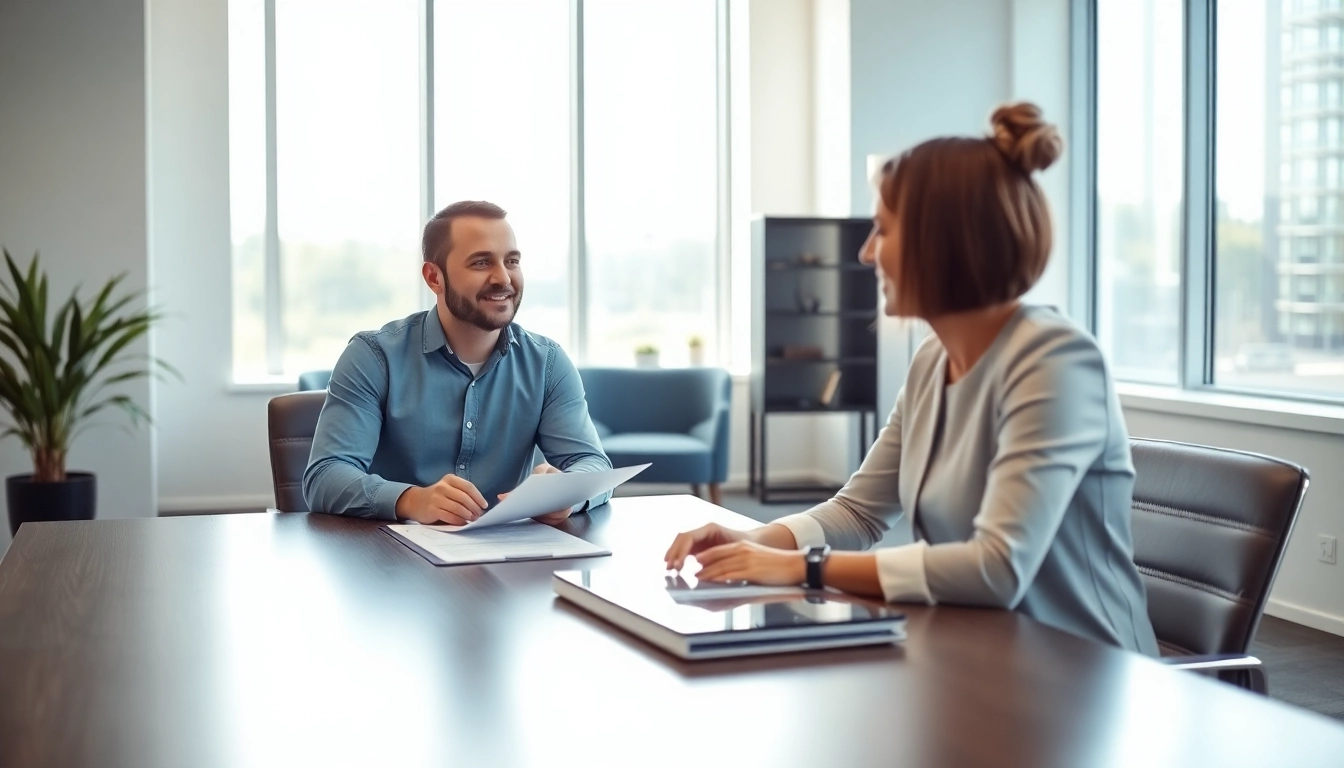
(1024,137)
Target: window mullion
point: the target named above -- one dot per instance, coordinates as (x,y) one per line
(1198,211)
(275,329)
(723,231)
(1083,169)
(426,109)
(578,237)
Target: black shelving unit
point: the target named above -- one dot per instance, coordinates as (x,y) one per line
(815,310)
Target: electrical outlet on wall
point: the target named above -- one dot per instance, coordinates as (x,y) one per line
(1325,546)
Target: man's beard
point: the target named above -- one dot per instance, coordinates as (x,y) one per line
(469,311)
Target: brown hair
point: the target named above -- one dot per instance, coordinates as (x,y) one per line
(437,241)
(973,227)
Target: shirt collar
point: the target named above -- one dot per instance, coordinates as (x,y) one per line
(434,338)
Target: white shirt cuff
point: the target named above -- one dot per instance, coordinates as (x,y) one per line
(806,530)
(900,571)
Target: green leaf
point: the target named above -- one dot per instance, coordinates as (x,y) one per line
(51,371)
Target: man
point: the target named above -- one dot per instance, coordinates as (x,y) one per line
(434,417)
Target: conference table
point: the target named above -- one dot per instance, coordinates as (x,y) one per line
(309,639)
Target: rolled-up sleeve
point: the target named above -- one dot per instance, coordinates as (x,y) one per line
(566,435)
(337,479)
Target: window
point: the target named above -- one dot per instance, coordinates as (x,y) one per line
(1254,310)
(1218,237)
(650,160)
(503,134)
(352,121)
(347,172)
(1139,160)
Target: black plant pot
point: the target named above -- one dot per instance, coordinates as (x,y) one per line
(72,499)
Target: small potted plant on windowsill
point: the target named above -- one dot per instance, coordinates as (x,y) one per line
(697,349)
(53,379)
(646,356)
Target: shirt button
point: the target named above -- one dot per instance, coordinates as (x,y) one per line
(468,425)
(472,384)
(461,466)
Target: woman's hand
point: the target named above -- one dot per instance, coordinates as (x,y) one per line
(697,541)
(756,563)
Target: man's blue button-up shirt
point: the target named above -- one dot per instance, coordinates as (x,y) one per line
(403,410)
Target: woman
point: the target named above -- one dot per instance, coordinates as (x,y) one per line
(1007,444)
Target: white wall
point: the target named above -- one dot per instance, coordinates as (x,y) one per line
(213,451)
(72,185)
(782,182)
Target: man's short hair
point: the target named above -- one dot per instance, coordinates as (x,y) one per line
(437,241)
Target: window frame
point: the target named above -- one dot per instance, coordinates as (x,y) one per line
(1199,247)
(578,247)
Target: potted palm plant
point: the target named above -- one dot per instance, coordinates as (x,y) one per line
(54,377)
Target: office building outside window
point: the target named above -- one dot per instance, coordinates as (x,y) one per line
(1280,234)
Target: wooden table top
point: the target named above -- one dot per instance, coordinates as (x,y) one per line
(299,639)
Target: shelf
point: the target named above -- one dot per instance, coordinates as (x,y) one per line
(855,313)
(815,360)
(846,267)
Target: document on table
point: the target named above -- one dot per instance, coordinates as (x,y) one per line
(497,544)
(540,494)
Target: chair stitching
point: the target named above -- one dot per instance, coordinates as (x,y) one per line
(1224,522)
(1193,584)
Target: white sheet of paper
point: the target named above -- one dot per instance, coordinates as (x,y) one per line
(542,494)
(524,541)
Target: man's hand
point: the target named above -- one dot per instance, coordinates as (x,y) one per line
(451,501)
(550,518)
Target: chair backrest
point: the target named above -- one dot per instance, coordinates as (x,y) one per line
(1210,526)
(311,380)
(655,399)
(292,420)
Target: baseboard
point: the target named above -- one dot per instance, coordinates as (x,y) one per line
(178,505)
(1307,617)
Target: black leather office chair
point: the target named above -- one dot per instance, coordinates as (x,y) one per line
(292,420)
(1210,527)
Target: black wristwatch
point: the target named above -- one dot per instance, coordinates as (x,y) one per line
(816,558)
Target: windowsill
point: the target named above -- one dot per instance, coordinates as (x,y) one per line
(1244,409)
(262,386)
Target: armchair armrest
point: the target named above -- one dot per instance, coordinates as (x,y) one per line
(714,432)
(1254,672)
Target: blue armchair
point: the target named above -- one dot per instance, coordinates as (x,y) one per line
(676,418)
(311,380)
